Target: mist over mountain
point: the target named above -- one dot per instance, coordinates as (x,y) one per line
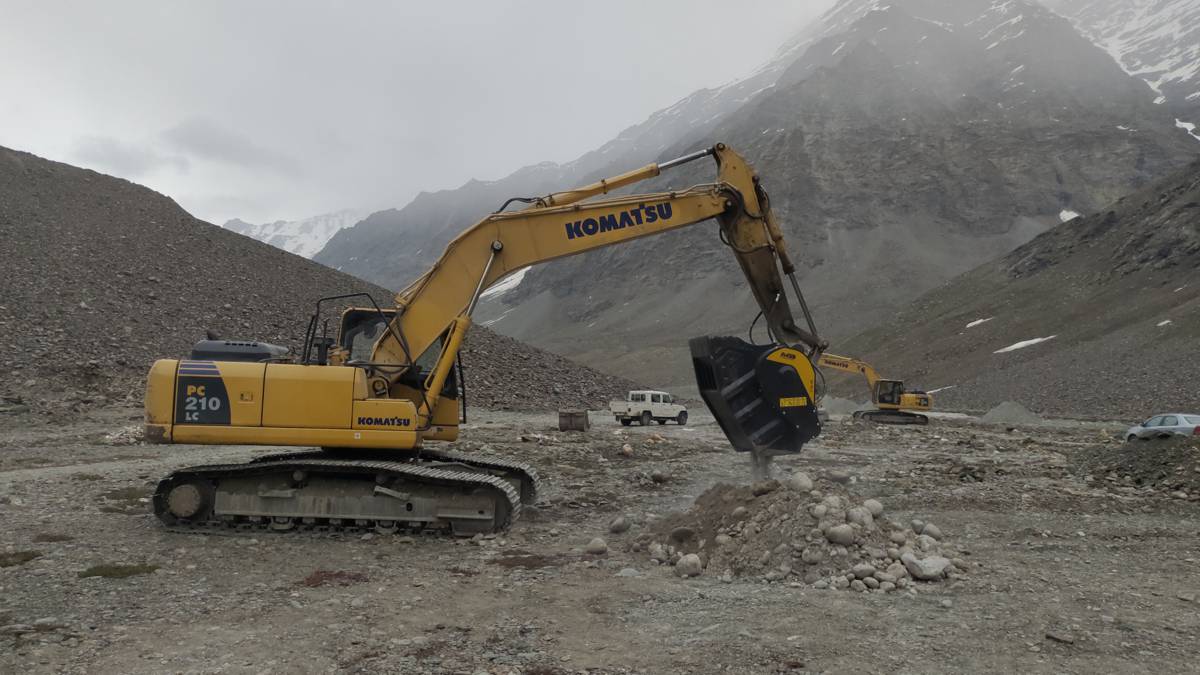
(1157,41)
(902,143)
(305,237)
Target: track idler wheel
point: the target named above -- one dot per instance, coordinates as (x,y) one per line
(188,500)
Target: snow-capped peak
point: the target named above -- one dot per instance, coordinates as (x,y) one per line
(303,237)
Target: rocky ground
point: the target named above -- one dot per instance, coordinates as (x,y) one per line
(1047,570)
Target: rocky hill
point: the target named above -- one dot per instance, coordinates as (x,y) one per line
(1155,40)
(305,237)
(102,276)
(1097,317)
(903,143)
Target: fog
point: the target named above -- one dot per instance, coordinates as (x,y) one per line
(281,110)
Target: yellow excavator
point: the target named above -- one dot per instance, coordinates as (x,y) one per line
(893,403)
(368,401)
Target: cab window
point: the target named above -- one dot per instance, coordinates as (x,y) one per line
(655,398)
(637,398)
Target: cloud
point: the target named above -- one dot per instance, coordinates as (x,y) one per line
(130,160)
(203,138)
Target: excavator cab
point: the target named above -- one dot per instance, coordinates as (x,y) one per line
(888,394)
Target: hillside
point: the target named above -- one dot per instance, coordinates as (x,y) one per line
(102,276)
(1117,294)
(903,144)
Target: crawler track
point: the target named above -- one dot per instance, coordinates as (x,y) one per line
(433,491)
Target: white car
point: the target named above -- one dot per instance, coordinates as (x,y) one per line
(646,406)
(1165,426)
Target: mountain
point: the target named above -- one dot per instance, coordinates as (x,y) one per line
(903,143)
(303,237)
(102,276)
(1099,316)
(1155,40)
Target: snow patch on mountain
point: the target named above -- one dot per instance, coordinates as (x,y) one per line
(1023,344)
(303,237)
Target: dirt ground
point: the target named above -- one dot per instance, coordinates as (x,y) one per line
(1067,574)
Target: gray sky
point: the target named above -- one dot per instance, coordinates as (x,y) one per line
(276,109)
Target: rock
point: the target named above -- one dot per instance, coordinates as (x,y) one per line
(738,513)
(628,572)
(885,577)
(659,476)
(861,516)
(618,525)
(764,487)
(887,586)
(893,553)
(819,511)
(917,526)
(947,603)
(840,534)
(821,584)
(897,537)
(862,570)
(658,553)
(874,506)
(925,569)
(812,555)
(837,476)
(1060,637)
(722,540)
(800,482)
(857,585)
(932,530)
(926,542)
(871,582)
(689,566)
(627,450)
(682,534)
(596,546)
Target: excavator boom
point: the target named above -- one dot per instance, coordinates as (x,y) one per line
(375,413)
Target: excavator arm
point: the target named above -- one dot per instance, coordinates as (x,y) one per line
(436,308)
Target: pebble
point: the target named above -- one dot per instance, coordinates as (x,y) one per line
(764,487)
(862,570)
(926,569)
(596,546)
(887,586)
(618,525)
(871,582)
(917,526)
(898,537)
(840,534)
(932,530)
(739,512)
(861,516)
(857,585)
(682,534)
(947,604)
(874,506)
(723,540)
(800,482)
(689,565)
(838,476)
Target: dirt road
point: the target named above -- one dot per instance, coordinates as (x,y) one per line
(1066,575)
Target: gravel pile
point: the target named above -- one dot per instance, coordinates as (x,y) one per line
(1168,465)
(102,276)
(1010,413)
(797,531)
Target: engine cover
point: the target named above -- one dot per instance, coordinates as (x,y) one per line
(233,350)
(761,395)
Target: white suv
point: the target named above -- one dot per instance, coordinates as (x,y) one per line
(644,406)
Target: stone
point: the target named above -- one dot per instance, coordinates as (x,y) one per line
(917,525)
(682,534)
(926,542)
(821,584)
(627,450)
(897,537)
(932,530)
(893,553)
(857,585)
(837,476)
(861,516)
(596,546)
(871,582)
(738,513)
(819,511)
(862,570)
(887,586)
(925,569)
(764,487)
(618,525)
(884,576)
(874,506)
(723,540)
(840,534)
(800,482)
(812,555)
(628,572)
(689,565)
(841,583)
(947,604)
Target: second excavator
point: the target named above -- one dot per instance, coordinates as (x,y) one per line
(894,404)
(371,400)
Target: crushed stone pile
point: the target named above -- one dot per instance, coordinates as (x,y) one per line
(799,531)
(1010,412)
(1166,465)
(103,276)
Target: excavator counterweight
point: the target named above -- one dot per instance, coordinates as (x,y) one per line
(373,397)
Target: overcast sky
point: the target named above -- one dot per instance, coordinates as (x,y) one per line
(285,109)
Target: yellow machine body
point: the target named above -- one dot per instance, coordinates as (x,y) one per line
(231,402)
